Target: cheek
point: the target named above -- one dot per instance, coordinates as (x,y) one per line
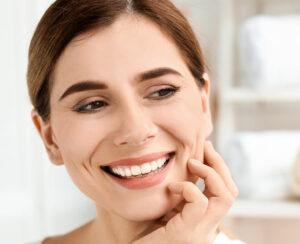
(79,138)
(77,141)
(185,123)
(183,120)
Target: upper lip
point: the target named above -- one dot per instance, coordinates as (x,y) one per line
(139,160)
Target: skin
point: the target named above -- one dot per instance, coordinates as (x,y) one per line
(131,124)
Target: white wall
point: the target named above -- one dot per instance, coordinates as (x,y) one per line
(27,193)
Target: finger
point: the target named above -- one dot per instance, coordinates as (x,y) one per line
(175,210)
(219,197)
(198,149)
(213,181)
(216,211)
(195,207)
(214,160)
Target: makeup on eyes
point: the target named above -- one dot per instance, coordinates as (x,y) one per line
(155,92)
(164,92)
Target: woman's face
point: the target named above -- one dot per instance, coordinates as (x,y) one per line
(129,117)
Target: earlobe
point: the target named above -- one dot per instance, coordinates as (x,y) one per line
(45,131)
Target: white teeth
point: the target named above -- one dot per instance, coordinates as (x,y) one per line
(135,170)
(139,170)
(121,171)
(146,168)
(127,171)
(160,163)
(154,165)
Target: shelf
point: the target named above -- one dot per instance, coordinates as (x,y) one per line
(247,95)
(265,209)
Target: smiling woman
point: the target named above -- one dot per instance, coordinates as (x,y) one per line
(121,99)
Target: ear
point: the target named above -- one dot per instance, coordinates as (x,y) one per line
(205,95)
(45,131)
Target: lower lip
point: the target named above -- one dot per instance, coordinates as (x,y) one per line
(147,181)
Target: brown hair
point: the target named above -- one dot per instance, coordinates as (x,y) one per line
(66,19)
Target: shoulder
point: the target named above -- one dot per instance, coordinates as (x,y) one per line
(47,240)
(224,236)
(76,236)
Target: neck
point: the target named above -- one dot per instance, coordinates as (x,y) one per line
(111,228)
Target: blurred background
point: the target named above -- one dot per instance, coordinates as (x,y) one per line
(252,48)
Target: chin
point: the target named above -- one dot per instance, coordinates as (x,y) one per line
(150,209)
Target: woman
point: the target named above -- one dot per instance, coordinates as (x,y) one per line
(121,99)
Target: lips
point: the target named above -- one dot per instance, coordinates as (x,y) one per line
(137,161)
(145,180)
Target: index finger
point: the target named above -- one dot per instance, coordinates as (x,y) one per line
(220,198)
(213,181)
(214,160)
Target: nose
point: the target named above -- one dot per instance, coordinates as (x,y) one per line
(136,128)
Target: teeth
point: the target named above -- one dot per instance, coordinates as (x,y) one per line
(139,170)
(135,170)
(127,171)
(160,163)
(153,165)
(146,168)
(121,171)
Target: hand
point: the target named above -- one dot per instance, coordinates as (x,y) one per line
(196,219)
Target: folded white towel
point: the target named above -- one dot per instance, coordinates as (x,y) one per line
(260,162)
(269,51)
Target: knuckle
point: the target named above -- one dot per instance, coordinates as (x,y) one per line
(202,200)
(226,201)
(189,187)
(190,184)
(211,170)
(192,190)
(219,158)
(229,200)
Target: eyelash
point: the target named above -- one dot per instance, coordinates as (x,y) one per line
(83,109)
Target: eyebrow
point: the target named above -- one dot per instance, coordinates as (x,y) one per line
(97,85)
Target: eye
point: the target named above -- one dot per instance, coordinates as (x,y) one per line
(91,107)
(165,93)
(97,105)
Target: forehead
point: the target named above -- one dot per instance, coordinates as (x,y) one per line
(129,46)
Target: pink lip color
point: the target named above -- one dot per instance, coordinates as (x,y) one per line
(144,182)
(138,161)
